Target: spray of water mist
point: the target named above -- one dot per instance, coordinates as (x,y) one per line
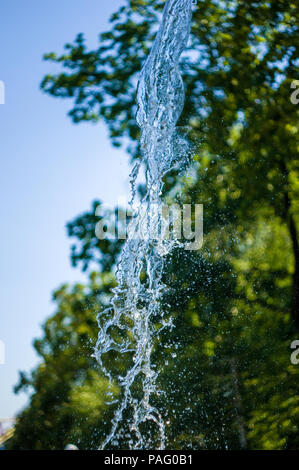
(129,326)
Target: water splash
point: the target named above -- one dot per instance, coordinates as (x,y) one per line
(129,326)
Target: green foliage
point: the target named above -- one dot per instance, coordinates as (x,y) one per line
(68,400)
(238,72)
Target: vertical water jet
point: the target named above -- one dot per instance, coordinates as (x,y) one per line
(129,326)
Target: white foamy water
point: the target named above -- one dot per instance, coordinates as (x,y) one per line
(129,327)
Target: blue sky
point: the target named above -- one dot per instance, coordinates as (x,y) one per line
(50,171)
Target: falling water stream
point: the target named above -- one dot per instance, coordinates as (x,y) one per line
(129,326)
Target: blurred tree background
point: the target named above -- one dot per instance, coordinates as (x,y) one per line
(225,367)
